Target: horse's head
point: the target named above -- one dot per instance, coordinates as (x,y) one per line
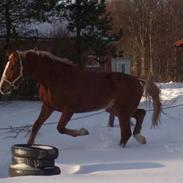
(13,73)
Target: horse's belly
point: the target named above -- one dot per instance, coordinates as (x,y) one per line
(87,99)
(94,105)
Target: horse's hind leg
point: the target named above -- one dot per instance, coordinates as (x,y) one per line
(61,127)
(124,121)
(111,120)
(43,116)
(139,115)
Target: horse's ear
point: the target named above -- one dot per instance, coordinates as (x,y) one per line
(9,50)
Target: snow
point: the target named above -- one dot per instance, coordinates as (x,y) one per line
(21,165)
(41,147)
(98,157)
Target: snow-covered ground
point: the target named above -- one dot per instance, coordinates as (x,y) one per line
(98,157)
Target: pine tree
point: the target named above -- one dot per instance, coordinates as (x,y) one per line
(16,14)
(91,25)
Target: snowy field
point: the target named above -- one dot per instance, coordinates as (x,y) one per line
(98,157)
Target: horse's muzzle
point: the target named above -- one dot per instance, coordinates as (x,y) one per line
(5,89)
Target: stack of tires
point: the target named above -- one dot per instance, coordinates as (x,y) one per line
(33,160)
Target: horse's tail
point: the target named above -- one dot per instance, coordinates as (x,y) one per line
(152,90)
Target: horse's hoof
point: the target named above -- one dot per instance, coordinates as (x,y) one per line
(139,138)
(83,131)
(111,125)
(122,145)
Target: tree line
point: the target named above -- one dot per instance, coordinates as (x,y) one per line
(147,29)
(150,29)
(88,25)
(87,22)
(144,30)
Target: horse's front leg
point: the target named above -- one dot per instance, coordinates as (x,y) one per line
(65,118)
(43,116)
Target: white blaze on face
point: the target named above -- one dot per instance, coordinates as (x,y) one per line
(4,74)
(4,79)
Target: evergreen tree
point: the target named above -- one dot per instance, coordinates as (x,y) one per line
(16,14)
(90,24)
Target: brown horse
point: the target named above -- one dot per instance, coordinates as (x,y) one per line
(66,88)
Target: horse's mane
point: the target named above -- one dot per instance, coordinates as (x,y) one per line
(49,55)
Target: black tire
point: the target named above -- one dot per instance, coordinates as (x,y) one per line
(35,151)
(33,162)
(26,170)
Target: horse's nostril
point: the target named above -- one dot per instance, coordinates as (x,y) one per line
(2,93)
(5,89)
(2,90)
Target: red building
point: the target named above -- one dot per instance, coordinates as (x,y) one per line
(108,64)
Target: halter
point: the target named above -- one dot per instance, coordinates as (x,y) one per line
(11,83)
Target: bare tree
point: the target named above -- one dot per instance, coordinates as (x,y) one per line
(150,29)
